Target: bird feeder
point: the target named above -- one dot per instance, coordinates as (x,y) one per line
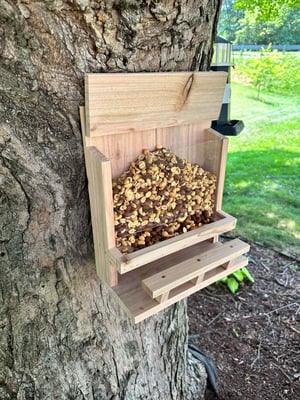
(222,62)
(129,114)
(222,53)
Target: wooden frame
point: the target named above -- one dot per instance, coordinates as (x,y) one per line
(124,114)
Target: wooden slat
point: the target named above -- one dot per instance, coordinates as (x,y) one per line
(144,256)
(198,279)
(139,305)
(220,170)
(191,268)
(101,202)
(101,211)
(120,103)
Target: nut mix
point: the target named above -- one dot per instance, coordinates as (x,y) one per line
(158,197)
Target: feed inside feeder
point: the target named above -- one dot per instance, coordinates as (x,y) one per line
(160,196)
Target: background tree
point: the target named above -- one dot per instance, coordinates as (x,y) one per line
(282,30)
(260,22)
(229,21)
(61,334)
(267,10)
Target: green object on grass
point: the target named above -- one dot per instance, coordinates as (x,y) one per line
(247,274)
(233,280)
(239,275)
(232,284)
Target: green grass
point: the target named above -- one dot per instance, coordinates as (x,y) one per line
(262,185)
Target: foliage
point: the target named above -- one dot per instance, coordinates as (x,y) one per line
(241,22)
(293,268)
(229,22)
(266,10)
(273,71)
(234,280)
(282,30)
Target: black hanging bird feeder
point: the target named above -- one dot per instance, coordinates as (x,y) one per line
(222,62)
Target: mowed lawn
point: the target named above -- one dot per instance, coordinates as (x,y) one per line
(262,185)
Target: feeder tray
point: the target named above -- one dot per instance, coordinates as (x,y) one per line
(124,114)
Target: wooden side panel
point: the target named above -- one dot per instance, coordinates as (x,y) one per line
(212,155)
(122,149)
(121,103)
(199,144)
(184,140)
(219,168)
(100,192)
(99,176)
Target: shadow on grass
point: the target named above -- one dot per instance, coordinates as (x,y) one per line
(258,168)
(262,189)
(262,98)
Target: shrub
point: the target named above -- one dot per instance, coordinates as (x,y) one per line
(273,71)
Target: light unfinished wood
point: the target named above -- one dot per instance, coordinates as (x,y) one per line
(193,267)
(102,213)
(126,113)
(205,147)
(128,262)
(220,169)
(198,279)
(122,149)
(164,297)
(119,103)
(101,202)
(139,305)
(196,143)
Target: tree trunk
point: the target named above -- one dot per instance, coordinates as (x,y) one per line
(62,336)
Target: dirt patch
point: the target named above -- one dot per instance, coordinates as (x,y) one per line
(253,336)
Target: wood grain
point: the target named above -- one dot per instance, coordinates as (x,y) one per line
(139,305)
(125,114)
(100,192)
(192,267)
(128,262)
(120,103)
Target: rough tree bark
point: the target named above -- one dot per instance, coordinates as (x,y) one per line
(61,334)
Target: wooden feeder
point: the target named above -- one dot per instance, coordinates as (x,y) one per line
(124,114)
